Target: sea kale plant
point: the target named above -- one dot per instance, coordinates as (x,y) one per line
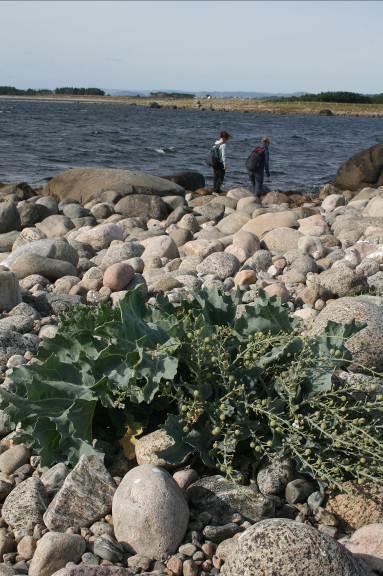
(233,385)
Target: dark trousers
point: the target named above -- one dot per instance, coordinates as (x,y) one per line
(256,179)
(219,176)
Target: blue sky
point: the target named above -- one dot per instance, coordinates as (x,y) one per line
(271,46)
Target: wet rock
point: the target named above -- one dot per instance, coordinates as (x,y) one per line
(288,548)
(53,552)
(85,496)
(150,512)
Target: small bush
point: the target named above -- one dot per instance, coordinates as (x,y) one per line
(232,389)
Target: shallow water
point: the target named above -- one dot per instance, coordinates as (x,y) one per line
(39,139)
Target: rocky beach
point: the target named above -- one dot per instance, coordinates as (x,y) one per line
(89,237)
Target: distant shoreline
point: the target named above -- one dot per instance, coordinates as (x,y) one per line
(221,104)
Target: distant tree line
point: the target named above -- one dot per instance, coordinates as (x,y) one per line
(67,90)
(172,95)
(340,97)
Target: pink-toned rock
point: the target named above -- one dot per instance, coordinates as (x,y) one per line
(245,277)
(313,226)
(269,221)
(275,197)
(278,289)
(367,544)
(186,478)
(201,248)
(281,240)
(101,236)
(174,564)
(162,246)
(118,276)
(280,264)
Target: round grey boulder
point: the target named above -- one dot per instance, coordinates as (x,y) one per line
(221,264)
(365,345)
(150,512)
(288,548)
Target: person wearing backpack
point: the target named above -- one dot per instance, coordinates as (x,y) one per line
(257,164)
(217,160)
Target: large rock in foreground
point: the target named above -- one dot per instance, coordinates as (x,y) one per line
(150,512)
(288,548)
(362,169)
(366,345)
(86,496)
(85,184)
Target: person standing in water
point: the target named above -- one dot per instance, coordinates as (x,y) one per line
(217,160)
(257,164)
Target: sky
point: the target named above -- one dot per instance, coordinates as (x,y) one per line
(264,46)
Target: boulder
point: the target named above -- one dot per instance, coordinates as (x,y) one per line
(89,570)
(31,213)
(53,552)
(9,290)
(222,498)
(9,217)
(232,223)
(281,240)
(289,548)
(118,276)
(366,344)
(313,225)
(367,544)
(187,179)
(86,496)
(7,240)
(150,512)
(144,205)
(341,281)
(58,249)
(28,264)
(161,246)
(25,505)
(100,236)
(148,447)
(221,264)
(55,226)
(375,207)
(85,184)
(357,505)
(201,247)
(363,169)
(271,220)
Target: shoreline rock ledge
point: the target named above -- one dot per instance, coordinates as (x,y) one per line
(85,184)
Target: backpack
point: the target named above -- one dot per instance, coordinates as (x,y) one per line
(256,159)
(214,158)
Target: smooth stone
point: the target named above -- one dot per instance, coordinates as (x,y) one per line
(53,552)
(150,512)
